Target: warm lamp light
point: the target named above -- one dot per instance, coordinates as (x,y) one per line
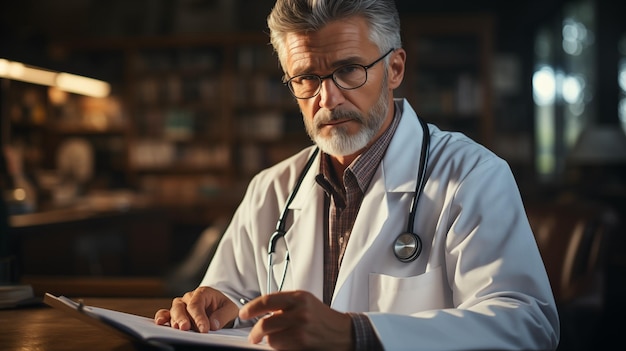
(82,85)
(67,82)
(19,71)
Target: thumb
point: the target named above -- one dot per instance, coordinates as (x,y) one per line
(223,317)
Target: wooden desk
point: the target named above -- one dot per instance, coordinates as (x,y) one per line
(41,327)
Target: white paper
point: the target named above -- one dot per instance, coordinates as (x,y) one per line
(145,329)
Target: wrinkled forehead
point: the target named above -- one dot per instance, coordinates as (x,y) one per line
(332,45)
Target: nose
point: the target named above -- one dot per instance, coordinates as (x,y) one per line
(330,94)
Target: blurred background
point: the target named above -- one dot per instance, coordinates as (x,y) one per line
(130,129)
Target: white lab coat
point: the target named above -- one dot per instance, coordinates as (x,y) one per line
(479,282)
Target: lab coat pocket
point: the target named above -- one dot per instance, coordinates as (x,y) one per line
(406,295)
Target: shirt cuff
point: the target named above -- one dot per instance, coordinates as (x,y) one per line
(363,333)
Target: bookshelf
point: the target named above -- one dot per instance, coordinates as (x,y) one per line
(448,72)
(206,112)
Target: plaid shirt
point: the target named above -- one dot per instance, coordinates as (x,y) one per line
(342,205)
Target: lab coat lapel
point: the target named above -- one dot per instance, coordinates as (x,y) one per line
(392,175)
(369,222)
(305,236)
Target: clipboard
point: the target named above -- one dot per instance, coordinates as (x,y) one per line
(143,330)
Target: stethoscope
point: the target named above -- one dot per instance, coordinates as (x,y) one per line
(407,246)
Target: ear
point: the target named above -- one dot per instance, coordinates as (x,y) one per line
(396,68)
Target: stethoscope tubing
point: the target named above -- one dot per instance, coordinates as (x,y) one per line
(415,247)
(280,226)
(419,188)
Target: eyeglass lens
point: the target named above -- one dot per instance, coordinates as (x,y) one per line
(347,77)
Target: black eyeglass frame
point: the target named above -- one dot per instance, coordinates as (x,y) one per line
(332,76)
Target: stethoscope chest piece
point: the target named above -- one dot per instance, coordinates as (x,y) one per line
(407,247)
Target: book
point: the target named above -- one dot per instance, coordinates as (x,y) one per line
(144,330)
(16,295)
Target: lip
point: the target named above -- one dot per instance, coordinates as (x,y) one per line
(336,122)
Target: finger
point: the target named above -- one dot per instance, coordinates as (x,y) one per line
(179,319)
(258,307)
(257,333)
(162,317)
(197,311)
(222,316)
(277,327)
(264,326)
(268,304)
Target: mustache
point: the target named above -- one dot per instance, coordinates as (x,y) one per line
(328,116)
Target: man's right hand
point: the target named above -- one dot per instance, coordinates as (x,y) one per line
(201,310)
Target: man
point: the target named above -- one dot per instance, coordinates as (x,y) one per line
(477,280)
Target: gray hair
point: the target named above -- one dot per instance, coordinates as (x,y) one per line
(302,16)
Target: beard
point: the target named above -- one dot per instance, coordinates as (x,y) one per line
(340,142)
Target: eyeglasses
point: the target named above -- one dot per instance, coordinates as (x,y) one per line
(348,77)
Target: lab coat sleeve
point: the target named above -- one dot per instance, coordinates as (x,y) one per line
(500,292)
(239,266)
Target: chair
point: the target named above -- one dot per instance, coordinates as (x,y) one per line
(573,239)
(187,275)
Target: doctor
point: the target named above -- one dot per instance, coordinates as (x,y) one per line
(395,235)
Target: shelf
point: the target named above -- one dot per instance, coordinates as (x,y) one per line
(87,131)
(179,168)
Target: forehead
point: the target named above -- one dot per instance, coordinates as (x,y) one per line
(323,49)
